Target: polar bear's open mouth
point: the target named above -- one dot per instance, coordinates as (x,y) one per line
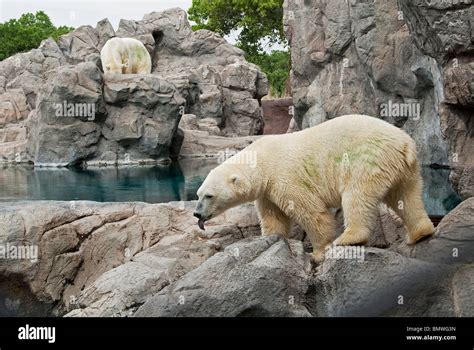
(201,224)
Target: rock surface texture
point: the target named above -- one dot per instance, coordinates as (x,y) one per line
(137,259)
(408,62)
(58,108)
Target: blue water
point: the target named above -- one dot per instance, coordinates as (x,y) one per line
(153,184)
(157,184)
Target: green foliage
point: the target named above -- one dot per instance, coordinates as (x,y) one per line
(256,22)
(254,19)
(27,32)
(276,65)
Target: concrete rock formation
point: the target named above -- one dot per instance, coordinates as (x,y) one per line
(136,117)
(408,62)
(137,259)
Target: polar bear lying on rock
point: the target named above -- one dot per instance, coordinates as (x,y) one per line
(125,56)
(354,162)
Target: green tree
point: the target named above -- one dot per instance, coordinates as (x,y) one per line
(255,20)
(27,32)
(276,65)
(255,23)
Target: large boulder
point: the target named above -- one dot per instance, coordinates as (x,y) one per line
(65,128)
(220,286)
(21,76)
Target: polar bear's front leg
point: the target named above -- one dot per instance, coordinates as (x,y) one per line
(272,219)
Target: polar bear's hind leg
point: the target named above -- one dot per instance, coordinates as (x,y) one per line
(407,201)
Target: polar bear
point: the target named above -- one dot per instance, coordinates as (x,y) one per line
(353,162)
(125,56)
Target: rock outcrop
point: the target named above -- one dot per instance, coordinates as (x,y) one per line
(137,259)
(58,108)
(408,62)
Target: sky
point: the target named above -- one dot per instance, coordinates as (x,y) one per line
(80,12)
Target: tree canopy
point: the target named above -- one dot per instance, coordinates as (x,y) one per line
(27,32)
(254,22)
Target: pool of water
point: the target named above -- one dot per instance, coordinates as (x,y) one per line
(153,184)
(157,184)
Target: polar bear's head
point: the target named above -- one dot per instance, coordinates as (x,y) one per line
(112,67)
(225,187)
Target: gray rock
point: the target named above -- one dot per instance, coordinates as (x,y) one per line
(193,72)
(374,53)
(81,45)
(79,245)
(367,287)
(456,126)
(463,285)
(106,31)
(218,287)
(215,65)
(65,129)
(200,144)
(13,107)
(443,30)
(453,241)
(137,259)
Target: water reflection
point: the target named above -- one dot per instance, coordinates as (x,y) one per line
(155,184)
(158,184)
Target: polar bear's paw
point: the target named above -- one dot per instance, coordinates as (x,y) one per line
(350,237)
(317,256)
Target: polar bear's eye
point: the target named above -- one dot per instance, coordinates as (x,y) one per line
(208,196)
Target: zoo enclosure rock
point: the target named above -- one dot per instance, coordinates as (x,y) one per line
(372,55)
(211,78)
(125,259)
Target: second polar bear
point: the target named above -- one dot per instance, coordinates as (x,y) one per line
(354,162)
(125,56)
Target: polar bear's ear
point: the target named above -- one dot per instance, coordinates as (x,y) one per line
(234,178)
(107,67)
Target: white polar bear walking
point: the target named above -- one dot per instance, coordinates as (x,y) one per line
(354,162)
(125,56)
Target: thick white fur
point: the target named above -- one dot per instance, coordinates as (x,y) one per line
(354,162)
(125,56)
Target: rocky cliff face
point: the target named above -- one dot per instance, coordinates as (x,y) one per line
(57,108)
(408,62)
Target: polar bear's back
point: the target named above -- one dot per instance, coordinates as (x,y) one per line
(358,140)
(356,125)
(346,129)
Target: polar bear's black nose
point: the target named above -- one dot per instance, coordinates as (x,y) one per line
(197,215)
